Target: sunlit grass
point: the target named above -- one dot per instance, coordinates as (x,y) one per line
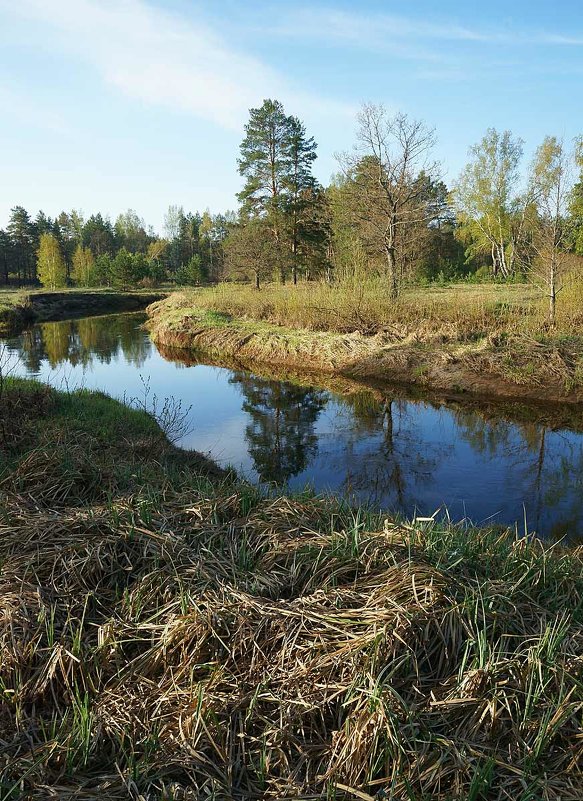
(472,309)
(191,636)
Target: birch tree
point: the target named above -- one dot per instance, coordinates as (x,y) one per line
(51,267)
(83,272)
(550,188)
(491,209)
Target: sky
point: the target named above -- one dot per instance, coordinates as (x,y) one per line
(107,105)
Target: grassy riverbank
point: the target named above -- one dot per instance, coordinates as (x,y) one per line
(167,632)
(19,308)
(491,340)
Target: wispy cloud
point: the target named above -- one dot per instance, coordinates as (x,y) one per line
(409,35)
(164,59)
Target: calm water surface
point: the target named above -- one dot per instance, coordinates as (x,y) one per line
(373,446)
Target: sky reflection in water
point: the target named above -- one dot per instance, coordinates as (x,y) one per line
(376,447)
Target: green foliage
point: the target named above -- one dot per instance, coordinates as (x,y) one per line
(276,162)
(127,269)
(83,272)
(98,234)
(103,270)
(488,203)
(21,233)
(191,274)
(264,161)
(576,205)
(130,232)
(51,268)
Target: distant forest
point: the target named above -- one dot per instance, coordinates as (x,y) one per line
(386,213)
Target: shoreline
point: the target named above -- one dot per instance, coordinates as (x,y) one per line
(27,308)
(556,415)
(518,369)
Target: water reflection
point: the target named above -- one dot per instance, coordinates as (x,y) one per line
(375,445)
(384,459)
(82,342)
(280,432)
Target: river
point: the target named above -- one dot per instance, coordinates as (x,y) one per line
(480,462)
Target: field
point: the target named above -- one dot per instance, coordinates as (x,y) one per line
(465,309)
(168,632)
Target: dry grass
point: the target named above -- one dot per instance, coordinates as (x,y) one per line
(458,311)
(189,639)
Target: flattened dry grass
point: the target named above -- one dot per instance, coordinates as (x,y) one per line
(192,638)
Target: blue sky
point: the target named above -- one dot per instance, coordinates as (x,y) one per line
(108,105)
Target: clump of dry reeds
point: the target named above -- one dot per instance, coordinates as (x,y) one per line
(210,643)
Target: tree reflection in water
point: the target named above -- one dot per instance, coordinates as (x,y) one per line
(385,460)
(376,445)
(548,464)
(82,342)
(280,432)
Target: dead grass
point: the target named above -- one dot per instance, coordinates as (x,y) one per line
(193,639)
(454,312)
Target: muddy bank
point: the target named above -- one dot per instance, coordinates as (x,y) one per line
(496,366)
(33,307)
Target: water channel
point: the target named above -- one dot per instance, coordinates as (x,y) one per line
(481,461)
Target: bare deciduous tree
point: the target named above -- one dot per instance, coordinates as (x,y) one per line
(249,250)
(387,173)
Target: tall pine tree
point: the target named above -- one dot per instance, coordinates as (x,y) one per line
(264,163)
(20,229)
(300,185)
(276,161)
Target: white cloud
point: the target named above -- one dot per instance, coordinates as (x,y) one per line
(164,59)
(408,36)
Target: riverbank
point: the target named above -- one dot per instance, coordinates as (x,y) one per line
(19,308)
(169,629)
(477,348)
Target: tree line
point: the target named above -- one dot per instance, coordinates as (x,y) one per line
(71,250)
(387,214)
